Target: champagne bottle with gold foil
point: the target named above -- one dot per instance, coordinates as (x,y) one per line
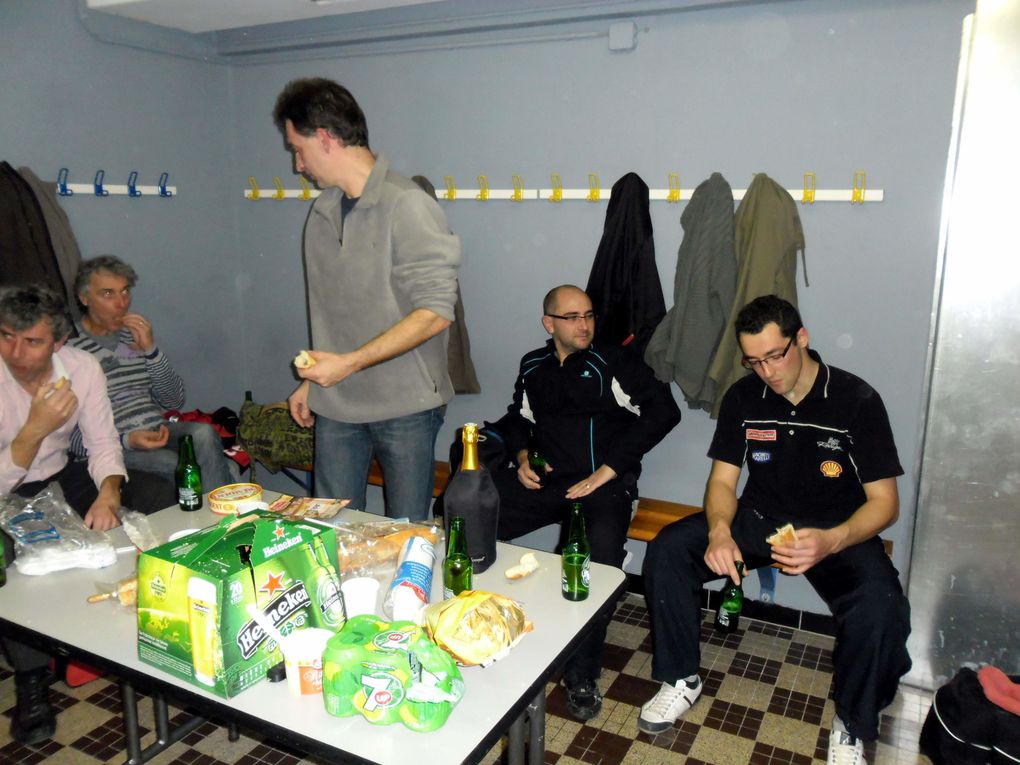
(472,495)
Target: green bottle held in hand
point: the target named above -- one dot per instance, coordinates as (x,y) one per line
(457,569)
(537,463)
(576,558)
(728,616)
(189,476)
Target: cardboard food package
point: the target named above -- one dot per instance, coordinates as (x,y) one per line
(193,595)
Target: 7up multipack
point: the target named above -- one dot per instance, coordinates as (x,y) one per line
(194,592)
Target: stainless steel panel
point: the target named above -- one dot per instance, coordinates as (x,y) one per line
(963,588)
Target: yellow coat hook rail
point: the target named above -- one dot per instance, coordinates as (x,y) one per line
(858,193)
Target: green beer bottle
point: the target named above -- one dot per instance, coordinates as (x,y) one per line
(457,567)
(189,477)
(3,564)
(576,558)
(728,616)
(537,463)
(323,586)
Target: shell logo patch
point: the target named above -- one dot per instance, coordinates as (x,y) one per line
(760,435)
(831,469)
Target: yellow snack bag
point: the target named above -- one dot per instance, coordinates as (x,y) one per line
(476,627)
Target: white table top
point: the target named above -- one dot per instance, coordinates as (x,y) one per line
(55,606)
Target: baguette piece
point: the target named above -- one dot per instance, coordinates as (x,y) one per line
(527,565)
(304,360)
(785,535)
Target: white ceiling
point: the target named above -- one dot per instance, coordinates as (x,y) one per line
(212,15)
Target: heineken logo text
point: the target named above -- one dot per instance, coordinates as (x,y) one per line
(251,635)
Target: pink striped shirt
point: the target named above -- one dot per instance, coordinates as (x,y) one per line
(93,415)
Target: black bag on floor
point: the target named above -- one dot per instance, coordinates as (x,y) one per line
(964,728)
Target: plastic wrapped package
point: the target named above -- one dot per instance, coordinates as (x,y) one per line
(475,627)
(372,548)
(49,536)
(389,672)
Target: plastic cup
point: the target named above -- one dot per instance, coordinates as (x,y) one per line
(302,653)
(360,594)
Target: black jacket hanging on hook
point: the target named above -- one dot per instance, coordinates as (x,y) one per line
(624,282)
(26,252)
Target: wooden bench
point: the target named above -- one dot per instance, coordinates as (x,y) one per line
(651,516)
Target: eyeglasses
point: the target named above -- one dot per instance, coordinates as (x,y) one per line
(775,358)
(574,318)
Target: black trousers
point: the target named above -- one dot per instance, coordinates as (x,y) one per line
(144,492)
(860,585)
(607,512)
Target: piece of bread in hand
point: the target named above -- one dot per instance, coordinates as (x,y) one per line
(785,535)
(304,360)
(56,386)
(528,564)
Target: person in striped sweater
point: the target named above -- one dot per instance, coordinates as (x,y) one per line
(140,381)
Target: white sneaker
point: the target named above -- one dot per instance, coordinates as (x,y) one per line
(667,706)
(844,749)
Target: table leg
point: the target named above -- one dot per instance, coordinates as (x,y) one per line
(536,729)
(515,741)
(161,714)
(129,703)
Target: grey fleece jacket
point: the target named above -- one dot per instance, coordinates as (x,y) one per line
(394,255)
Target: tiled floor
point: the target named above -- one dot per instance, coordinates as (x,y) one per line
(767,701)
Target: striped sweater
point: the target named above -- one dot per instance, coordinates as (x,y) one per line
(141,387)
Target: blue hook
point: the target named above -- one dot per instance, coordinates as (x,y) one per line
(132,180)
(163,192)
(98,185)
(62,183)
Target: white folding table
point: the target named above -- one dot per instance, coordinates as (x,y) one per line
(507,697)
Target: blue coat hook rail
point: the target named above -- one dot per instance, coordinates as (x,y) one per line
(99,189)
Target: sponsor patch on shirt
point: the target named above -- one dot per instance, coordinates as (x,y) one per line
(831,469)
(760,435)
(761,456)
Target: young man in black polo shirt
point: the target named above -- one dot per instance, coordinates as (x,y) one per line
(820,455)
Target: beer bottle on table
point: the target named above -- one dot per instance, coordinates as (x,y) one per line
(537,463)
(728,616)
(189,476)
(576,558)
(457,565)
(472,495)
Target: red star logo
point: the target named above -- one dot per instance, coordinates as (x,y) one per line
(274,582)
(278,532)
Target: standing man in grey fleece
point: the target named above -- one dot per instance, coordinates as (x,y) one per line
(381,268)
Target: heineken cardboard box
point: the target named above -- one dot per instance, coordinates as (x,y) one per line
(193,596)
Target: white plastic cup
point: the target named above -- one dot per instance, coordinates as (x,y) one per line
(360,594)
(302,653)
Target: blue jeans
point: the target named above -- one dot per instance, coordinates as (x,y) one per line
(217,468)
(405,447)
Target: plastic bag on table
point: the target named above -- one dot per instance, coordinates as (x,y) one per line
(49,536)
(389,672)
(139,530)
(476,627)
(372,548)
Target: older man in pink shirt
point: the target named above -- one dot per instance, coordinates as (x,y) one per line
(46,390)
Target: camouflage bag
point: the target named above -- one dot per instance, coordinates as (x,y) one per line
(269,434)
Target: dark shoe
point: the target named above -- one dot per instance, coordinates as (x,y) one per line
(583,699)
(34,720)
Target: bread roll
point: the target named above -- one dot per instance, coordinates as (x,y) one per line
(304,360)
(528,564)
(786,535)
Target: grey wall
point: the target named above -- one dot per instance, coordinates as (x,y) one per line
(70,101)
(779,88)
